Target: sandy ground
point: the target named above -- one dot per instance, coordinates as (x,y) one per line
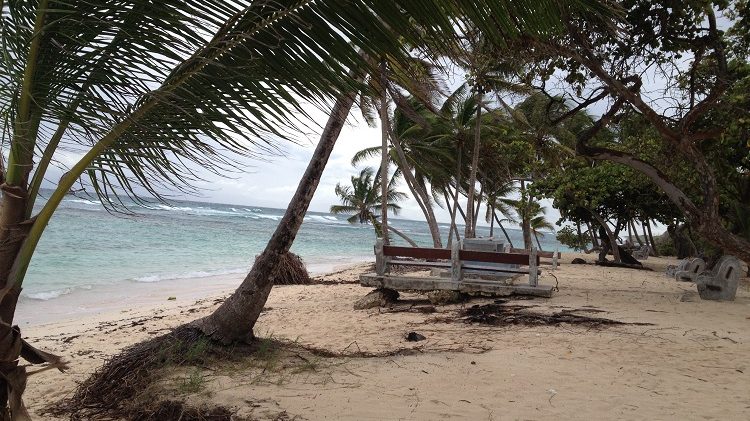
(691,362)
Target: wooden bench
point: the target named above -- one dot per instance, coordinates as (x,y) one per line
(554,257)
(457,261)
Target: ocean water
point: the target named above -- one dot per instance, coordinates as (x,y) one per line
(85,247)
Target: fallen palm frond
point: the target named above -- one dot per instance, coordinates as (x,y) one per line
(502,314)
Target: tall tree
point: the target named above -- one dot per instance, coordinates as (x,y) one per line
(706,76)
(388,83)
(266,58)
(361,200)
(137,88)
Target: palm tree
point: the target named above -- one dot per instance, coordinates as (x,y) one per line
(265,58)
(143,98)
(418,155)
(498,200)
(362,201)
(528,209)
(387,84)
(538,223)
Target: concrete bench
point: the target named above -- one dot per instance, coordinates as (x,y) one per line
(642,252)
(721,282)
(689,269)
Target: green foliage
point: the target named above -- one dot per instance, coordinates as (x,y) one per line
(666,248)
(569,237)
(362,199)
(193,383)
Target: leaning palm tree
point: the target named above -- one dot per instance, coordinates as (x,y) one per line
(528,209)
(498,201)
(418,156)
(388,84)
(363,202)
(302,50)
(139,94)
(539,222)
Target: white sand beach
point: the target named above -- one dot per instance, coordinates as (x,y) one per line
(689,362)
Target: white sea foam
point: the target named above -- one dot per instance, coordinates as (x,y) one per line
(48,295)
(85,201)
(188,275)
(326,219)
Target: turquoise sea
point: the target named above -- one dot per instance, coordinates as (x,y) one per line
(85,247)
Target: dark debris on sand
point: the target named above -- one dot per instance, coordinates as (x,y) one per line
(500,313)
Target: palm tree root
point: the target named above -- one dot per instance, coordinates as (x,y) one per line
(291,270)
(117,390)
(123,387)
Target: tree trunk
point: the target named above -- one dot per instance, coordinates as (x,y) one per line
(651,238)
(420,195)
(630,234)
(612,240)
(646,239)
(635,232)
(592,234)
(525,220)
(452,212)
(461,211)
(500,224)
(234,320)
(581,241)
(469,231)
(492,221)
(458,187)
(384,154)
(12,235)
(538,244)
(476,211)
(404,236)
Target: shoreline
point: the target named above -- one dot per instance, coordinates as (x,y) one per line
(131,295)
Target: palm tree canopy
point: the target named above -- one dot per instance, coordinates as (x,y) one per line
(362,199)
(140,74)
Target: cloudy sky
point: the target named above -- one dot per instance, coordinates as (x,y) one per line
(272,183)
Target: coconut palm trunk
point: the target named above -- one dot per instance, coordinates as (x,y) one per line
(454,212)
(475,220)
(384,151)
(492,222)
(233,321)
(418,192)
(469,232)
(651,239)
(635,233)
(525,218)
(505,233)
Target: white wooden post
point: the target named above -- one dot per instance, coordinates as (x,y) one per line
(554,258)
(381,263)
(456,261)
(533,275)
